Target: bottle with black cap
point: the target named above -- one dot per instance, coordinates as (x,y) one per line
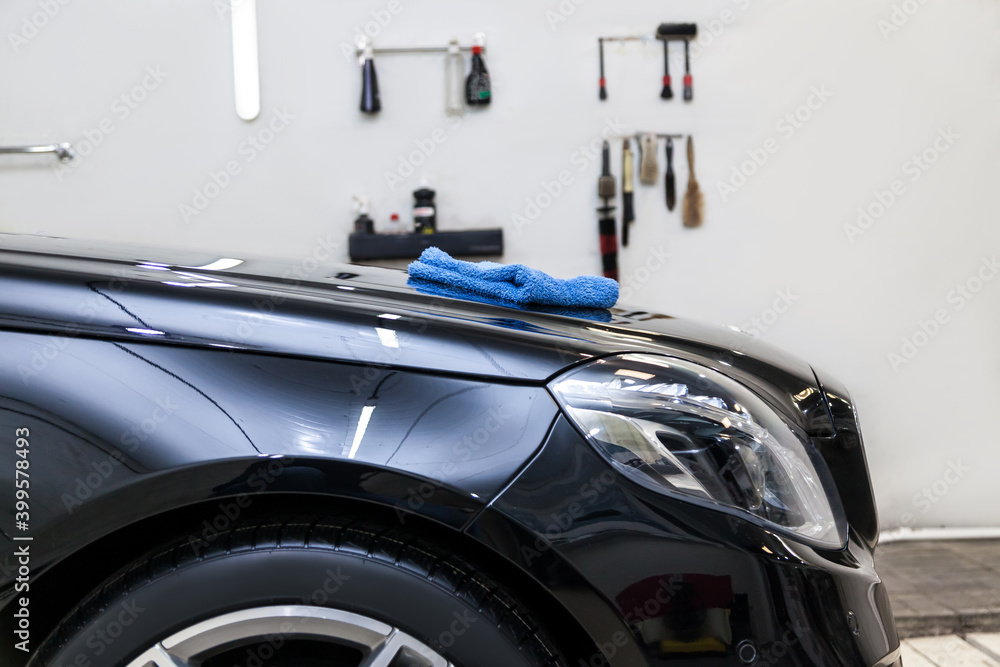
(424,211)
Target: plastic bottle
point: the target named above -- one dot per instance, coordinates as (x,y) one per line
(454,75)
(363,224)
(477,87)
(395,226)
(424,211)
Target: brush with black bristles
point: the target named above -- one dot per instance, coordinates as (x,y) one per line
(694,202)
(677,32)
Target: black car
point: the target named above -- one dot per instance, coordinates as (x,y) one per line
(216,462)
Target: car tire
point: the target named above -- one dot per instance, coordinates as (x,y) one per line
(316,592)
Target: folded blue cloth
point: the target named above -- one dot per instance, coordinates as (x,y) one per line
(437,289)
(514,283)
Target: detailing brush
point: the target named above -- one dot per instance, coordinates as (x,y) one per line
(628,208)
(606,222)
(671,184)
(667,92)
(677,32)
(694,202)
(688,79)
(648,168)
(603,94)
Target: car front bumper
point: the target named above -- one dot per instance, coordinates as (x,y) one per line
(655,581)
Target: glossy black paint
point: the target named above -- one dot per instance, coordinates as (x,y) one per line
(845,455)
(100,443)
(669,570)
(150,386)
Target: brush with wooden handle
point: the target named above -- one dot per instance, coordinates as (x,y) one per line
(628,207)
(694,202)
(671,184)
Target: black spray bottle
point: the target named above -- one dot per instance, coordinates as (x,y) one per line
(477,86)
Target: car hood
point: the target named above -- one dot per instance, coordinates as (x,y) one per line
(365,315)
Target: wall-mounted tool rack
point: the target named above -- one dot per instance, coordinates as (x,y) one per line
(466,243)
(474,91)
(666,33)
(63,151)
(363,42)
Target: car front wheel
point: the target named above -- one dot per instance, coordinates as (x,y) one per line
(286,592)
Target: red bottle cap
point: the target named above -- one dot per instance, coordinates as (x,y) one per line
(394,217)
(476,50)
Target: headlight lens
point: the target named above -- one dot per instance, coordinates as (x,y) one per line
(684,429)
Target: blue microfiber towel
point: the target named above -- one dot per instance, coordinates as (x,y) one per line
(514,283)
(437,289)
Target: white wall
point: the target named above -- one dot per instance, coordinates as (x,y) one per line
(783,230)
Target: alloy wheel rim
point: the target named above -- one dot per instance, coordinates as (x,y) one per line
(381,644)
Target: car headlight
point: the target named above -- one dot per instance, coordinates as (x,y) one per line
(684,429)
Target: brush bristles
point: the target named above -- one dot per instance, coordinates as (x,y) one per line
(647,171)
(694,204)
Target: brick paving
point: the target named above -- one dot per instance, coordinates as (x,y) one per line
(973,650)
(942,587)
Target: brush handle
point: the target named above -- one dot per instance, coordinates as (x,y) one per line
(690,156)
(670,183)
(628,208)
(628,168)
(688,79)
(609,247)
(667,92)
(628,215)
(600,48)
